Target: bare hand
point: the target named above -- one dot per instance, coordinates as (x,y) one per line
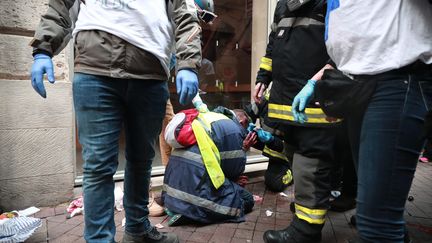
(258,92)
(249,141)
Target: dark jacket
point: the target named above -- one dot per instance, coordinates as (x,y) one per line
(101,53)
(295,52)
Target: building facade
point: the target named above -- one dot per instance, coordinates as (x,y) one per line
(39,154)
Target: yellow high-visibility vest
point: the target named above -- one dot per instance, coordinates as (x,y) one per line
(201,127)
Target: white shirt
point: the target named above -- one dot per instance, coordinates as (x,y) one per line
(143,23)
(374,36)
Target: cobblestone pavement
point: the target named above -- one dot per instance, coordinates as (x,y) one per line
(56,228)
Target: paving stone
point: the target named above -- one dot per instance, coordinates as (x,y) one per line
(258,236)
(251,218)
(78,230)
(66,238)
(240,240)
(243,234)
(58,230)
(57,219)
(183,235)
(60,209)
(264,227)
(76,220)
(225,231)
(247,225)
(229,225)
(200,237)
(266,220)
(220,239)
(207,228)
(45,212)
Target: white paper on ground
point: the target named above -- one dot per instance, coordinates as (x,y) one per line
(269,213)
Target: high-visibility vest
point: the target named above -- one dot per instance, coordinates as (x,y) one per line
(209,152)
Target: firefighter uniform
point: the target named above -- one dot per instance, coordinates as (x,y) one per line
(278,175)
(295,52)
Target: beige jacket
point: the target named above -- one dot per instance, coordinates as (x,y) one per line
(101,53)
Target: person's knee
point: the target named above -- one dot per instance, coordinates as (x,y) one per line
(279,181)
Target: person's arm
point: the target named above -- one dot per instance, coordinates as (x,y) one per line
(55,28)
(188,49)
(319,74)
(187,35)
(302,99)
(264,76)
(52,35)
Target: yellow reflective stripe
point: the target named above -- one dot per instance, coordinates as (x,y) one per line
(274,153)
(266,64)
(287,178)
(318,212)
(313,216)
(284,112)
(310,220)
(209,153)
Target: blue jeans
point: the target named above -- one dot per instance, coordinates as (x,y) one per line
(104,105)
(387,139)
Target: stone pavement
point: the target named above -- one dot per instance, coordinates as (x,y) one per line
(56,228)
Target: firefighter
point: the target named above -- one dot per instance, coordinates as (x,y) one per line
(295,52)
(278,175)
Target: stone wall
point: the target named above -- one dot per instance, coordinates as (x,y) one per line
(37,143)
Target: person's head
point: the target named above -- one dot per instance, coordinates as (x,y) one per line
(242,117)
(206,10)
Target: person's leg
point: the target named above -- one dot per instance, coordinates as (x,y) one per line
(99,115)
(278,175)
(391,140)
(343,155)
(165,148)
(312,163)
(248,200)
(145,101)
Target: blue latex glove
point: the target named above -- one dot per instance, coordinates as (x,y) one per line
(42,64)
(264,136)
(251,127)
(187,85)
(301,100)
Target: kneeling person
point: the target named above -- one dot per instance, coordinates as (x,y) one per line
(189,183)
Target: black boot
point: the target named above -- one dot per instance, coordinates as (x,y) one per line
(343,203)
(299,231)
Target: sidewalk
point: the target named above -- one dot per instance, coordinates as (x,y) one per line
(56,228)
